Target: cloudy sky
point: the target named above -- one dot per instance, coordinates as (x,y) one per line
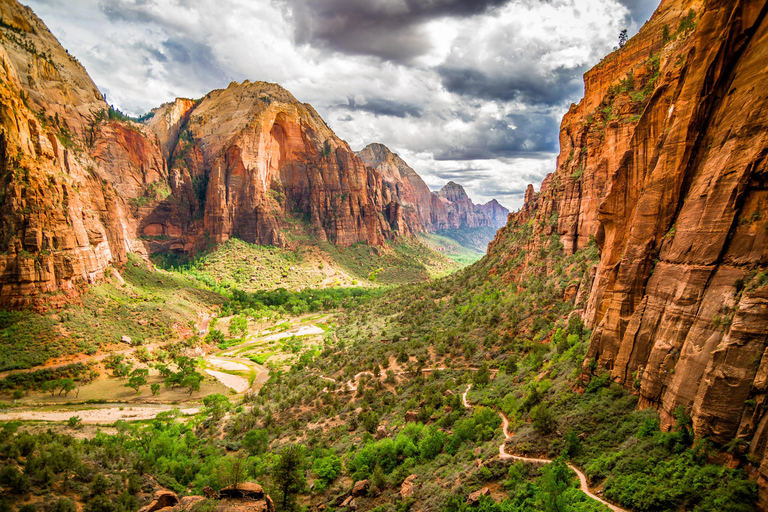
(465,90)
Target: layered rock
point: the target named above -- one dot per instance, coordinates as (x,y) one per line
(449,208)
(83,186)
(495,212)
(62,223)
(663,163)
(269,157)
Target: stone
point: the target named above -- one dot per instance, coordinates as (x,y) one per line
(381,432)
(474,498)
(243,490)
(162,499)
(411,416)
(360,488)
(406,489)
(126,339)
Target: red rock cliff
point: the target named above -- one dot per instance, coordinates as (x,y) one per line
(664,163)
(449,208)
(82,186)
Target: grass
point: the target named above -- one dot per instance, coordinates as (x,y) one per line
(249,267)
(152,306)
(451,248)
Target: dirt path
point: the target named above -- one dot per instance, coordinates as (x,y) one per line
(239,384)
(504,455)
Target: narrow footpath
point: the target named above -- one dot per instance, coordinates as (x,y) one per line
(504,455)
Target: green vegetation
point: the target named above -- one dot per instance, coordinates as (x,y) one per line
(149,308)
(239,265)
(379,398)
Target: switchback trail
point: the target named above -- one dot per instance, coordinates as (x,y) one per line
(504,455)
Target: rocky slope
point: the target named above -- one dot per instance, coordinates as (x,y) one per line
(449,208)
(663,163)
(83,186)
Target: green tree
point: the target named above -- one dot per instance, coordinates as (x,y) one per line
(544,421)
(256,441)
(216,405)
(623,37)
(50,386)
(288,471)
(66,386)
(555,481)
(327,469)
(138,378)
(192,382)
(155,388)
(482,376)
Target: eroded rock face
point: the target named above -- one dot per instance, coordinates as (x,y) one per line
(667,171)
(83,189)
(423,210)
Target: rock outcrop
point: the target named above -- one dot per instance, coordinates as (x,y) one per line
(83,186)
(449,208)
(664,164)
(244,497)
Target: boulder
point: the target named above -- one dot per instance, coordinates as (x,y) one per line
(349,503)
(126,339)
(162,499)
(406,490)
(381,432)
(474,498)
(411,416)
(360,488)
(243,490)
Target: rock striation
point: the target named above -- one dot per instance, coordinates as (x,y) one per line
(449,208)
(82,186)
(663,165)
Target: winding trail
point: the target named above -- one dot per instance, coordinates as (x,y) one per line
(504,455)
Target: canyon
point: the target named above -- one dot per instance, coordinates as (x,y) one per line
(663,166)
(83,185)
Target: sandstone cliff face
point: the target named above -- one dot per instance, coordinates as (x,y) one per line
(268,158)
(83,187)
(673,187)
(495,212)
(449,208)
(62,223)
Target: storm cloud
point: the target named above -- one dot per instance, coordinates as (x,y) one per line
(466,90)
(389,29)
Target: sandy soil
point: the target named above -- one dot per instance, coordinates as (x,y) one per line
(223,364)
(94,416)
(239,384)
(304,330)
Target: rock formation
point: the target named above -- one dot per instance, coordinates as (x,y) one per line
(664,164)
(83,186)
(449,208)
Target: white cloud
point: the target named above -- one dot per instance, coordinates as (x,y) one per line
(478,97)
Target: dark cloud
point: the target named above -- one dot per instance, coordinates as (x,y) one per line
(495,191)
(388,29)
(383,107)
(517,135)
(640,11)
(464,175)
(548,88)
